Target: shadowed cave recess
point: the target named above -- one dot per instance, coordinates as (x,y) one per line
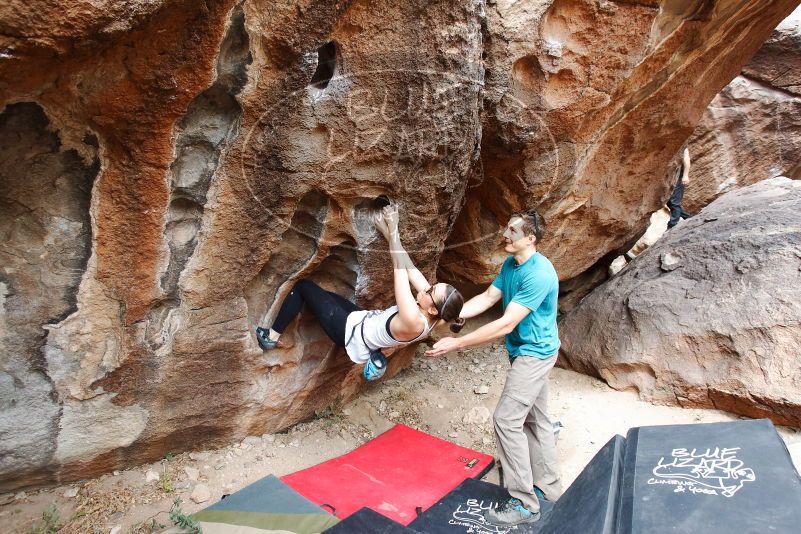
(45,245)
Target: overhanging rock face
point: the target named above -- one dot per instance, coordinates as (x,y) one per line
(752,129)
(707,316)
(586,102)
(187,162)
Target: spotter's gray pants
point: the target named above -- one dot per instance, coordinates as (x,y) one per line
(525,434)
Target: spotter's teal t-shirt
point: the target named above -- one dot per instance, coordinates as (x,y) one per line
(535,285)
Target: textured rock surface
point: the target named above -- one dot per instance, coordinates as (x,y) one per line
(752,129)
(586,104)
(710,315)
(46,242)
(192,172)
(170,168)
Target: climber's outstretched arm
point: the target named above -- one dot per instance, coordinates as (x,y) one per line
(416,278)
(408,311)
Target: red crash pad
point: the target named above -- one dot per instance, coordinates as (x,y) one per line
(393,474)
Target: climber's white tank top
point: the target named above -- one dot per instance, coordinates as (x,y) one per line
(376,332)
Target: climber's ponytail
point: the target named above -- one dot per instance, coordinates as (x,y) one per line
(457,325)
(451,308)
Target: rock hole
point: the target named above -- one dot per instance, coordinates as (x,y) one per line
(363,212)
(528,80)
(558,21)
(527,74)
(326,66)
(235,54)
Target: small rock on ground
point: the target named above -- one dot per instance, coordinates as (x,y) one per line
(191,473)
(478,415)
(200,494)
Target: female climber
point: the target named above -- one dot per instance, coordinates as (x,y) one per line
(363,333)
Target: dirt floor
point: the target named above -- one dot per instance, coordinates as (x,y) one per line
(443,396)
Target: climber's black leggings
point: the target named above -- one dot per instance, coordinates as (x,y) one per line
(330,309)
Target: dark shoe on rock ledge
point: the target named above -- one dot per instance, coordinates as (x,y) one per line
(263,337)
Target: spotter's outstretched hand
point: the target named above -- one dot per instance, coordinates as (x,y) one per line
(444,346)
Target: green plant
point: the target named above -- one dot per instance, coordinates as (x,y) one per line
(331,409)
(149,528)
(50,525)
(180,519)
(165,482)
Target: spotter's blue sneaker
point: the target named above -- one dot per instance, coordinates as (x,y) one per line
(263,337)
(509,513)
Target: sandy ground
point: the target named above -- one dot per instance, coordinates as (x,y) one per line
(434,395)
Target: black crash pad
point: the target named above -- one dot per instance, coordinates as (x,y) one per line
(589,505)
(461,511)
(366,520)
(716,478)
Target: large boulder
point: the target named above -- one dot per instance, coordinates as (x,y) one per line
(752,129)
(170,168)
(710,316)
